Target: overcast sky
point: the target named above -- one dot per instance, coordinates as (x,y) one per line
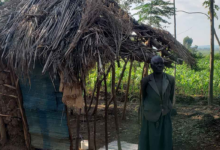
(195,26)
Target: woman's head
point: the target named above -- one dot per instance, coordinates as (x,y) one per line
(157,64)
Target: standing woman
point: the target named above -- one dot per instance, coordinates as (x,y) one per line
(158,91)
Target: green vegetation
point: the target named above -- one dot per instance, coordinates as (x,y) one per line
(191,82)
(155,12)
(188,82)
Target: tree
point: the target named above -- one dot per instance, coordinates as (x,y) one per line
(212,15)
(155,11)
(215,8)
(187,42)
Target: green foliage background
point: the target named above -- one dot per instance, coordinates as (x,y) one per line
(188,82)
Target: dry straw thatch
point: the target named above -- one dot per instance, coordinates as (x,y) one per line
(70,36)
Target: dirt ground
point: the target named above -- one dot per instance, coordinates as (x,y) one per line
(195,127)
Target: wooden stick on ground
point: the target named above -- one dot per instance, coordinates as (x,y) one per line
(127,91)
(106,113)
(115,106)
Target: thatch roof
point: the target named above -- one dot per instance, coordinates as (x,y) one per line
(69,36)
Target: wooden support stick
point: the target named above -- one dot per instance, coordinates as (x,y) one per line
(83,81)
(127,91)
(115,106)
(96,107)
(121,76)
(77,130)
(93,93)
(111,100)
(119,83)
(69,129)
(20,104)
(174,96)
(106,113)
(97,96)
(3,135)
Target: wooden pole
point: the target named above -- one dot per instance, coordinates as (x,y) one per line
(174,97)
(98,91)
(96,107)
(127,91)
(93,93)
(211,10)
(119,83)
(77,130)
(121,76)
(174,3)
(20,105)
(106,113)
(69,129)
(3,135)
(115,106)
(83,81)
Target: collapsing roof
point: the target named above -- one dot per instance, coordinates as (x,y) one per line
(71,36)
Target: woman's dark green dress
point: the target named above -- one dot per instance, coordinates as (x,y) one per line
(156,135)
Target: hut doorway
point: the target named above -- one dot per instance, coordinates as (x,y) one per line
(45,111)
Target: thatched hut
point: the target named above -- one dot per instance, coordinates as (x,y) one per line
(47,48)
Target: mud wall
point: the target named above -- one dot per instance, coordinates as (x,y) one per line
(9,107)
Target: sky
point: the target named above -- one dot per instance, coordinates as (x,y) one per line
(196,26)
